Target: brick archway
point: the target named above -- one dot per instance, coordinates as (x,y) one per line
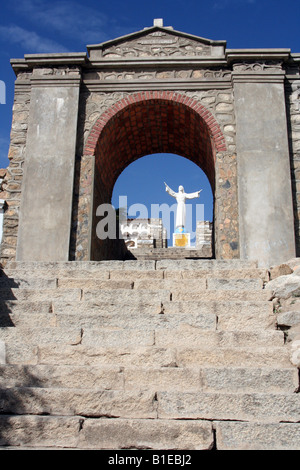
(153,122)
(147,123)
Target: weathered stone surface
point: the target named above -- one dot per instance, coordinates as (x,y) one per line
(29,283)
(138,319)
(235,357)
(290,318)
(117,337)
(170,284)
(225,406)
(39,431)
(285,286)
(2,352)
(241,284)
(195,337)
(220,294)
(133,275)
(40,294)
(72,402)
(138,361)
(281,270)
(93,284)
(61,376)
(126,295)
(212,379)
(146,434)
(258,436)
(76,355)
(248,273)
(35,336)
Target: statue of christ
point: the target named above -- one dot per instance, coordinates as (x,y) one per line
(180,197)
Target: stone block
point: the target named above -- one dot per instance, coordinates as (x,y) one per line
(220,295)
(62,376)
(99,356)
(289,319)
(82,283)
(227,406)
(146,434)
(249,379)
(126,295)
(195,337)
(35,295)
(117,337)
(233,357)
(39,431)
(27,283)
(72,402)
(133,275)
(170,284)
(241,284)
(257,436)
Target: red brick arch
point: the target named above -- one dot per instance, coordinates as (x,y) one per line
(153,122)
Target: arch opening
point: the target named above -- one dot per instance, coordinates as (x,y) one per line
(139,193)
(146,124)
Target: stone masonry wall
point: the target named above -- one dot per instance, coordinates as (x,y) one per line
(13,179)
(293,116)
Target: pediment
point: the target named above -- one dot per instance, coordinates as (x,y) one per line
(156,42)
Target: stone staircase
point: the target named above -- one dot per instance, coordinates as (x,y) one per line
(169,354)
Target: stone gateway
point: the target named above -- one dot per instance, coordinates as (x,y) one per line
(80,118)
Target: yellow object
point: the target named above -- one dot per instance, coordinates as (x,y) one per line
(181,239)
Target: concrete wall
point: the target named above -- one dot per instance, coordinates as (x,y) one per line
(45,213)
(264,182)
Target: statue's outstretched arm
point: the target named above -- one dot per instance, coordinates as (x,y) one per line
(193,195)
(170,191)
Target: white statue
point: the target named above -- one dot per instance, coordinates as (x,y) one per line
(180,197)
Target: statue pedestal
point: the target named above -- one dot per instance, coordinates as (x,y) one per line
(181,240)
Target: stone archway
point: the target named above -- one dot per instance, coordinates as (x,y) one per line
(154,122)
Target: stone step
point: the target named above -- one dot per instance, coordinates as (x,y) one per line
(142,319)
(147,317)
(145,295)
(75,294)
(221,295)
(253,407)
(257,436)
(205,379)
(246,273)
(78,432)
(58,432)
(262,407)
(31,266)
(75,401)
(201,283)
(147,356)
(233,357)
(136,274)
(180,336)
(40,294)
(234,315)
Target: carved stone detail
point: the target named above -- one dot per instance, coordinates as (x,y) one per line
(261,66)
(157,44)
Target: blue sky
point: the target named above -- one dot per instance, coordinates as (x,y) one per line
(33,26)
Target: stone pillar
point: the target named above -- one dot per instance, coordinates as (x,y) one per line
(47,188)
(264,182)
